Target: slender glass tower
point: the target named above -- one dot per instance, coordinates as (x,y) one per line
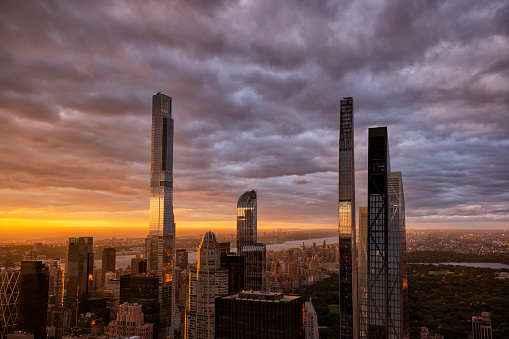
(347,250)
(387,287)
(161,239)
(246,220)
(362,272)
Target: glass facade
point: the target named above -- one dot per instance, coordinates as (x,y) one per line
(362,271)
(143,290)
(246,220)
(33,298)
(160,244)
(346,226)
(253,315)
(386,313)
(9,301)
(255,266)
(79,269)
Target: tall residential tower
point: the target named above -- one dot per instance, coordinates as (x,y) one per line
(347,250)
(386,316)
(161,237)
(246,220)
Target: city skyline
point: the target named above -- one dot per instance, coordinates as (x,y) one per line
(256,105)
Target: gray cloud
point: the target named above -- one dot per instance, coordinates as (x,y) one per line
(256,89)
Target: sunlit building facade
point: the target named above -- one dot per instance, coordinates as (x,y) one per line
(246,220)
(481,326)
(56,282)
(206,282)
(387,286)
(347,250)
(160,244)
(9,300)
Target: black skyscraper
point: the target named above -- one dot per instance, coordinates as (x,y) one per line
(387,305)
(254,315)
(346,205)
(33,295)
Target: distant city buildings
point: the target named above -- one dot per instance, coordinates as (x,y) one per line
(481,326)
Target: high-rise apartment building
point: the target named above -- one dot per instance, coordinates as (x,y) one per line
(33,298)
(387,286)
(56,282)
(362,272)
(79,269)
(246,220)
(311,321)
(206,282)
(108,262)
(481,326)
(160,246)
(253,315)
(9,300)
(347,244)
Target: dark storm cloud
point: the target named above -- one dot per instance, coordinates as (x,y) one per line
(256,88)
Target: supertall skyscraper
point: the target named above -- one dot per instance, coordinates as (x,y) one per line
(387,286)
(347,250)
(161,238)
(246,220)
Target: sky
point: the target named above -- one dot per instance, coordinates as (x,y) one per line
(256,88)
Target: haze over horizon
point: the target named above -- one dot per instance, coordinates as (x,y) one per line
(256,88)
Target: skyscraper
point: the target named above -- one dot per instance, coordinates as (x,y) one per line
(206,281)
(79,269)
(9,300)
(255,266)
(108,262)
(56,282)
(143,290)
(161,238)
(362,272)
(33,298)
(253,315)
(347,250)
(387,286)
(246,220)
